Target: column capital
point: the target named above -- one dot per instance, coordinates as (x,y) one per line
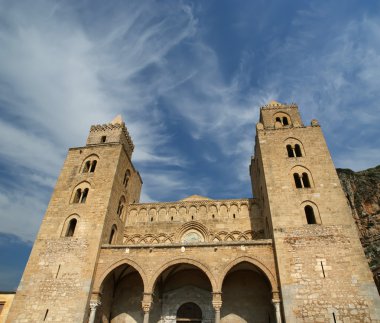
(217,300)
(146,302)
(94,303)
(276,296)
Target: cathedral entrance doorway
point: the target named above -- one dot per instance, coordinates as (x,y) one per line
(246,295)
(182,293)
(190,313)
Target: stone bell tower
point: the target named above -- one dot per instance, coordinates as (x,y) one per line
(322,270)
(87,209)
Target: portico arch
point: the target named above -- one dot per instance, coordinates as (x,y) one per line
(247,292)
(200,266)
(178,282)
(265,270)
(98,283)
(120,291)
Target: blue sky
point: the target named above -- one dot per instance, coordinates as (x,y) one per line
(188,78)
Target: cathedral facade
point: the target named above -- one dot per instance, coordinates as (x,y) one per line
(290,254)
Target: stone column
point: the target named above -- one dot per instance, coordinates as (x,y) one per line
(217,304)
(146,304)
(93,306)
(276,302)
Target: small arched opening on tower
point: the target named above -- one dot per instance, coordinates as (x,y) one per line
(120,207)
(112,237)
(290,151)
(302,177)
(305,180)
(127,175)
(71,228)
(283,118)
(294,147)
(310,216)
(297,150)
(81,193)
(89,164)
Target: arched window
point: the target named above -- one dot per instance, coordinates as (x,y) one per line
(302,177)
(290,151)
(120,207)
(127,175)
(305,180)
(309,213)
(71,228)
(86,166)
(297,180)
(112,235)
(285,121)
(90,163)
(80,195)
(278,119)
(93,166)
(297,150)
(77,196)
(189,312)
(84,195)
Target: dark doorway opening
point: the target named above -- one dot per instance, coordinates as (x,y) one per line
(190,313)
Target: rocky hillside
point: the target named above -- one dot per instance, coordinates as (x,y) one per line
(363,193)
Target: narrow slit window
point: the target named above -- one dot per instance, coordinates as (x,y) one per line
(297,150)
(103,139)
(112,235)
(86,166)
(305,180)
(77,196)
(93,166)
(71,228)
(84,195)
(297,180)
(290,151)
(126,177)
(309,213)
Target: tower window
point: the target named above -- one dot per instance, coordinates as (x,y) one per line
(309,213)
(302,180)
(89,166)
(77,196)
(297,180)
(103,139)
(290,151)
(305,180)
(127,175)
(84,196)
(112,235)
(93,166)
(86,166)
(285,121)
(120,207)
(278,119)
(71,228)
(297,150)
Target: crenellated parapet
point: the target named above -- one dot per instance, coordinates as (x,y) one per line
(113,132)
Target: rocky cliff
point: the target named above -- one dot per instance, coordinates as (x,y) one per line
(362,190)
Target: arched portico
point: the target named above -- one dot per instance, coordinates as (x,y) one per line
(178,283)
(195,263)
(247,291)
(255,262)
(121,287)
